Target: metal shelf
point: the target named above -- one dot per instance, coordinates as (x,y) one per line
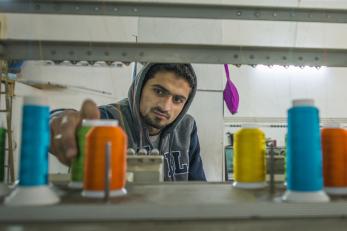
(192,201)
(154,52)
(177,10)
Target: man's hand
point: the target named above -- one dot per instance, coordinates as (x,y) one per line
(63,130)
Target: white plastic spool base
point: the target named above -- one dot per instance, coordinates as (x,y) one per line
(4,189)
(303,102)
(101,194)
(35,100)
(302,197)
(336,190)
(76,185)
(36,195)
(255,185)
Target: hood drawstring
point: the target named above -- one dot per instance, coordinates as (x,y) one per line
(170,157)
(134,73)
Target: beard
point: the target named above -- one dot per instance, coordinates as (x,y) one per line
(154,121)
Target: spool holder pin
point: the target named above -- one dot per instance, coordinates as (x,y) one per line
(108,173)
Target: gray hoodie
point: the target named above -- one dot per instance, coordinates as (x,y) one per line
(179,141)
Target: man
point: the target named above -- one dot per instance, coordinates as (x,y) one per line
(153,116)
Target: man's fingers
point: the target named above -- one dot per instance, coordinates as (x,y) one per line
(56,142)
(89,110)
(56,147)
(62,158)
(63,131)
(67,142)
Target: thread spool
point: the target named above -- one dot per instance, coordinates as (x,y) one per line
(105,133)
(304,154)
(33,186)
(249,158)
(3,187)
(334,146)
(77,165)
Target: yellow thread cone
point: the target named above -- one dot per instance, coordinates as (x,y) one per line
(249,156)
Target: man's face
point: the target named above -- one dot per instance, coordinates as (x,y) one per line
(163,98)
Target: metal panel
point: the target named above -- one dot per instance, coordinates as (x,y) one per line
(174,201)
(179,10)
(276,120)
(180,53)
(316,224)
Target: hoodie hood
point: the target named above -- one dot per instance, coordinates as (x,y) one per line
(134,96)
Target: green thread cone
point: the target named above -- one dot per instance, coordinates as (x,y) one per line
(77,166)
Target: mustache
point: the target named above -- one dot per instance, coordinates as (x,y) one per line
(161,111)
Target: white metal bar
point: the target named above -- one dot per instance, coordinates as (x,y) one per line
(179,53)
(177,10)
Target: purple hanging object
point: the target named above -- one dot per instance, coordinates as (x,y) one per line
(231,96)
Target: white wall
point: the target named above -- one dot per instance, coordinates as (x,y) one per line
(114,81)
(207,109)
(267,93)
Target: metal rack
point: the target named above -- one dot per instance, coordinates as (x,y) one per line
(153,52)
(175,206)
(195,206)
(8,92)
(176,10)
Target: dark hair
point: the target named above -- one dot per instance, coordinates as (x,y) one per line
(184,71)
